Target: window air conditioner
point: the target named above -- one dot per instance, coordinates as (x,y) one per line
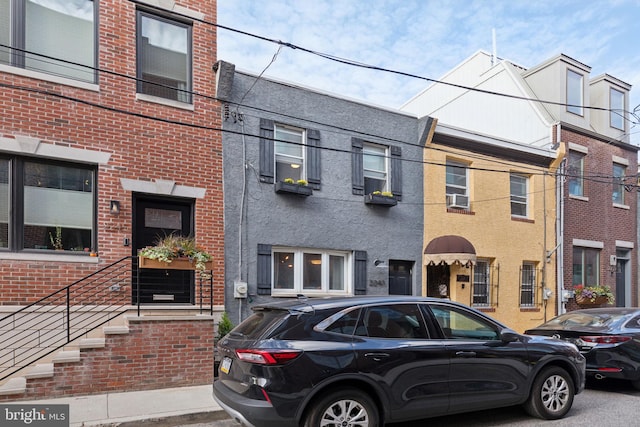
(457,201)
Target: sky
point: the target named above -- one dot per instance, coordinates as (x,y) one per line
(425,38)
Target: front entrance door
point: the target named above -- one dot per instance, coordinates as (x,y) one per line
(621,278)
(400,277)
(155,218)
(438,281)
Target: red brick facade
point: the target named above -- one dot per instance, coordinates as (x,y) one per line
(594,217)
(154,354)
(112,120)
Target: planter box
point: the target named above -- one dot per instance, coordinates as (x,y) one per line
(176,264)
(380,200)
(297,189)
(586,302)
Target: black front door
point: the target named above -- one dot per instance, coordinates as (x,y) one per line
(438,281)
(400,277)
(155,218)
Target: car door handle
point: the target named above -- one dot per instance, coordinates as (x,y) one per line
(465,354)
(377,356)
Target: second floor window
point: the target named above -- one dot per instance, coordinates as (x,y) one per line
(519,190)
(575,172)
(618,183)
(457,185)
(375,168)
(164,57)
(575,96)
(48,35)
(616,116)
(289,153)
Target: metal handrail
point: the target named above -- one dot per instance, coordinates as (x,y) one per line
(48,324)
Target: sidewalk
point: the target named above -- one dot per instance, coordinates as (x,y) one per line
(171,406)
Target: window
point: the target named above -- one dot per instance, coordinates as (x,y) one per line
(586,266)
(575,98)
(49,34)
(528,285)
(619,172)
(456,185)
(53,206)
(375,168)
(164,57)
(576,173)
(392,321)
(456,324)
(310,271)
(481,281)
(519,195)
(616,116)
(289,153)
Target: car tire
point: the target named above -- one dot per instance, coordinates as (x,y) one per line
(551,395)
(346,406)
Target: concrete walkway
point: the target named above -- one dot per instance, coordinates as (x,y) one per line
(171,406)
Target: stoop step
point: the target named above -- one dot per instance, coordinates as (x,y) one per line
(15,385)
(41,370)
(68,356)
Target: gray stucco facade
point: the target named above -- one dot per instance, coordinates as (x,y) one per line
(376,241)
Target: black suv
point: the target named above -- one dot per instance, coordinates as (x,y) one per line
(364,361)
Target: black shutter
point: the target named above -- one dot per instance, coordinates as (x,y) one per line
(264,269)
(360,272)
(357,168)
(267,173)
(313,158)
(396,172)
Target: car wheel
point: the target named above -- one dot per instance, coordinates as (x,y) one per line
(551,395)
(345,407)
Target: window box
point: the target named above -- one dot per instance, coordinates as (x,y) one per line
(379,199)
(293,188)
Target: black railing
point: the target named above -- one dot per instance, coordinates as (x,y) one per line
(45,326)
(40,328)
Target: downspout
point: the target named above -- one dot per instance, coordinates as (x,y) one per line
(560,179)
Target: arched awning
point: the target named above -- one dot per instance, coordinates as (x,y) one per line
(450,250)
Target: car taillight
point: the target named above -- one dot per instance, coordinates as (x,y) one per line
(267,357)
(605,339)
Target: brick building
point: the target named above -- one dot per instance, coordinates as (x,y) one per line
(109,138)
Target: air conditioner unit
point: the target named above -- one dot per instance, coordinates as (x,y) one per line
(457,201)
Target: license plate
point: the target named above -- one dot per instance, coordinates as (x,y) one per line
(225,365)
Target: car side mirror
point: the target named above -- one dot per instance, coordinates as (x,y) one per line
(509,335)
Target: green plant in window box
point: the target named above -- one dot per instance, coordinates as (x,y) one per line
(302,182)
(56,241)
(382,193)
(174,246)
(289,181)
(593,294)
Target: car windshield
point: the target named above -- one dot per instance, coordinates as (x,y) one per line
(585,319)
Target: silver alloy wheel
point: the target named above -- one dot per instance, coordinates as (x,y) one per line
(345,413)
(555,393)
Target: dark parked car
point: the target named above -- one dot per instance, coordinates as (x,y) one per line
(365,361)
(609,338)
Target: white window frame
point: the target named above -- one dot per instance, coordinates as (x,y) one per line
(619,172)
(485,265)
(528,271)
(288,158)
(616,106)
(298,266)
(449,187)
(575,92)
(520,199)
(374,150)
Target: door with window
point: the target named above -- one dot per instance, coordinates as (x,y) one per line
(155,218)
